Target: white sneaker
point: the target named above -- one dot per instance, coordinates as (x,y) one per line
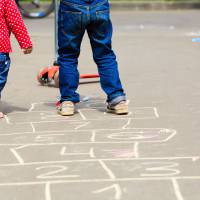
(66,108)
(120,109)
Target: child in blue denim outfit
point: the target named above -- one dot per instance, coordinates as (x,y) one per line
(74,18)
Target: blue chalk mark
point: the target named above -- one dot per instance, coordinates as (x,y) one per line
(196,40)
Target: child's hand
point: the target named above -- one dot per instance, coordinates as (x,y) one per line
(28,50)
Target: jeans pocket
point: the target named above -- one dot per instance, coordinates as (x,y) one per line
(103,21)
(71,22)
(3,59)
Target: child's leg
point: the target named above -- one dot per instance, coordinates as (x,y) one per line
(70,34)
(100,34)
(4,69)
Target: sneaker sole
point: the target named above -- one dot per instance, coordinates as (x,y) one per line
(118,112)
(66,113)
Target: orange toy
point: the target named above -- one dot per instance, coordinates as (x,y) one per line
(50,75)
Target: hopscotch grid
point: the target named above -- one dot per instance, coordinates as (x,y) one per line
(101,161)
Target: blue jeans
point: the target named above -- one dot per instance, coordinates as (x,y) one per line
(4,69)
(74,18)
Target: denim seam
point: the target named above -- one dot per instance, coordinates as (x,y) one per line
(78,5)
(117,100)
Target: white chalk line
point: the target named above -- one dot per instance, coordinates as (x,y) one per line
(174,132)
(106,168)
(82,125)
(33,127)
(82,115)
(127,124)
(52,174)
(47,137)
(116,187)
(156,112)
(81,143)
(103,159)
(88,119)
(7,119)
(87,108)
(84,130)
(172,172)
(32,107)
(52,116)
(17,156)
(92,139)
(48,191)
(63,153)
(92,155)
(99,180)
(177,190)
(16,133)
(136,149)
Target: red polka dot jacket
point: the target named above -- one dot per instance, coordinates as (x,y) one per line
(11,21)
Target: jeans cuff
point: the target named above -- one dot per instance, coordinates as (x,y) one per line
(117,100)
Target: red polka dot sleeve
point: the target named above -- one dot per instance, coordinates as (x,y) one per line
(16,25)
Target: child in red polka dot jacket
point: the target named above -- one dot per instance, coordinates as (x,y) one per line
(10,22)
